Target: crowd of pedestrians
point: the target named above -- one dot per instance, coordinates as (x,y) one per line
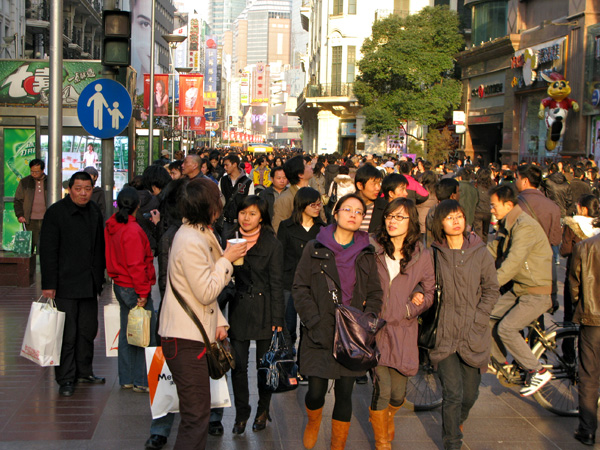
(381,234)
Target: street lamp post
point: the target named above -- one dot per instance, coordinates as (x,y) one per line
(173,40)
(181,70)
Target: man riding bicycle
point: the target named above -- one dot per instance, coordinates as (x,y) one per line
(524,263)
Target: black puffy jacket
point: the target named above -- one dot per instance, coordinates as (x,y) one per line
(557,188)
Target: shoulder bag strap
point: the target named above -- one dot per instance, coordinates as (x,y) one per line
(190,313)
(533,214)
(332,288)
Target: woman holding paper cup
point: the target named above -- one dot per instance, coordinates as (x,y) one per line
(257,308)
(198,270)
(129,262)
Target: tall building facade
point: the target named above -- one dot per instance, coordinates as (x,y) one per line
(82,29)
(329,111)
(222,13)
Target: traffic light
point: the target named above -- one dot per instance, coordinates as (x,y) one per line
(116,48)
(230,120)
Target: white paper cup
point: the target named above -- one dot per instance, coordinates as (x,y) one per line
(239,261)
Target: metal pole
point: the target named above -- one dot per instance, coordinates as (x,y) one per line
(107,166)
(151,112)
(171,53)
(55,107)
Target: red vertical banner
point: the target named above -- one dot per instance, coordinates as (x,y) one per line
(198,124)
(191,89)
(225,135)
(160,94)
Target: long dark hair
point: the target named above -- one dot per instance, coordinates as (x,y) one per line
(127,201)
(441,212)
(304,197)
(413,234)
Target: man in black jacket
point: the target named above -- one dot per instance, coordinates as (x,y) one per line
(557,188)
(72,266)
(235,186)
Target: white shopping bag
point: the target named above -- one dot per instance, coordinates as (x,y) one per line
(44,333)
(219,393)
(163,393)
(112,328)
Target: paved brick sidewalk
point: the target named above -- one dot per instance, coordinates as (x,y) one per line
(32,416)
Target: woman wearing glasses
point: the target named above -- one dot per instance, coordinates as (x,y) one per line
(294,233)
(469,292)
(343,254)
(403,265)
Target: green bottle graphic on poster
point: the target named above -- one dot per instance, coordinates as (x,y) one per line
(19,149)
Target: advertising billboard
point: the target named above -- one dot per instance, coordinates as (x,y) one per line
(191,94)
(259,119)
(160,94)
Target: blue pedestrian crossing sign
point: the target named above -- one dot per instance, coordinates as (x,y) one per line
(104,108)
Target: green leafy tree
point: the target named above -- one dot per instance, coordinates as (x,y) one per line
(407,70)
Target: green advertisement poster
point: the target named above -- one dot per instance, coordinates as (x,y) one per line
(141,153)
(19,149)
(10,225)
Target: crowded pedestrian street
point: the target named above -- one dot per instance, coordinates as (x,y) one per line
(105,417)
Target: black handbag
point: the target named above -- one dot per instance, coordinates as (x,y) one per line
(277,370)
(354,344)
(219,354)
(428,320)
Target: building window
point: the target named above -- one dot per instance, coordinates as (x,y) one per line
(351,66)
(351,6)
(489,21)
(336,70)
(338,7)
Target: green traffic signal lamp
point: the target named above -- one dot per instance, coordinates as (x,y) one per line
(116,48)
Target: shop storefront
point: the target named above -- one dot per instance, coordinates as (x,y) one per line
(591,97)
(485,114)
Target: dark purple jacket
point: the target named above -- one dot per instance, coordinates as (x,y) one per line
(397,341)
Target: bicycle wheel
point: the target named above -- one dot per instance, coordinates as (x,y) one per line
(424,390)
(561,358)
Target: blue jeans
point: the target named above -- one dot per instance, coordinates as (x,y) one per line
(132,359)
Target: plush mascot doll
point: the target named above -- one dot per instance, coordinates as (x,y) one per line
(558,105)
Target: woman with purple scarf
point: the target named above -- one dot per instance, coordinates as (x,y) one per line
(344,255)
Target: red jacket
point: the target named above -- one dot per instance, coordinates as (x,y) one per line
(129,259)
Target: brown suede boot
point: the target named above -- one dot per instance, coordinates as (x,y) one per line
(379,421)
(311,432)
(392,410)
(339,434)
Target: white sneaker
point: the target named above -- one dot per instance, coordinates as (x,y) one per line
(536,382)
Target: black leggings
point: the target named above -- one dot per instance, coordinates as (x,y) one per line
(317,389)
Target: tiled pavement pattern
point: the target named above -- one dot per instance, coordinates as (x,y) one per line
(33,416)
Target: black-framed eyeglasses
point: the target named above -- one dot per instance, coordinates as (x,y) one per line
(397,217)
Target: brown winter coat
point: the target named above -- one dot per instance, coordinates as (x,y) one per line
(24,197)
(469,292)
(397,341)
